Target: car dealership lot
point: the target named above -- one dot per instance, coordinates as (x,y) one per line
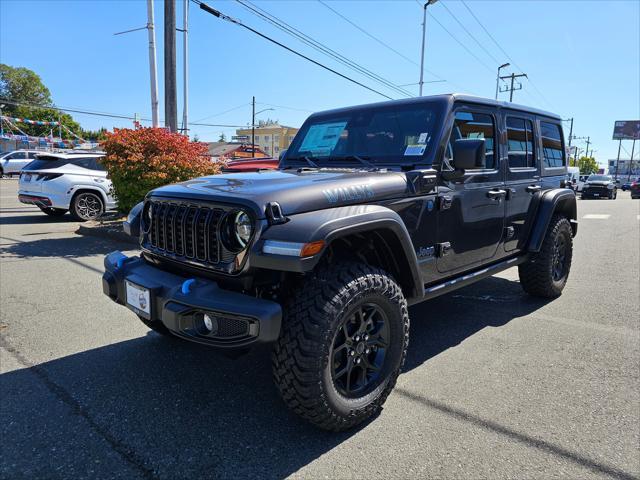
(497,384)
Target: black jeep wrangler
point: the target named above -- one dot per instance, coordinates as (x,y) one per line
(372,209)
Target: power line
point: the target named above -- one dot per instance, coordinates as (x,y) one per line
(222,16)
(222,113)
(470,52)
(370,35)
(504,52)
(285,107)
(318,46)
(470,34)
(107,115)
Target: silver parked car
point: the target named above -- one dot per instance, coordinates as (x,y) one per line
(74,182)
(12,162)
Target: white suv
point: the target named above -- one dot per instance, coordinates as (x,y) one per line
(75,182)
(13,162)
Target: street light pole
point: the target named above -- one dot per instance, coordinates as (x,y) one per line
(424,35)
(504,65)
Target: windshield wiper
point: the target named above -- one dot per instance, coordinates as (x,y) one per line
(363,160)
(306,159)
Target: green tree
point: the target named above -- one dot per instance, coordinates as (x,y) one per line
(24,87)
(587,165)
(223,137)
(267,122)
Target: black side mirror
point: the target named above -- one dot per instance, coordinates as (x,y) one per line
(469,153)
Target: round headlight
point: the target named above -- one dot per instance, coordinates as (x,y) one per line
(242,228)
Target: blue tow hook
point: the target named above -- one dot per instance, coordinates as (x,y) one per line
(186,286)
(121,261)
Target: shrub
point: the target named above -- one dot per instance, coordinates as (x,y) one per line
(146,158)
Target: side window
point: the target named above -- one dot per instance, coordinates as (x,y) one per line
(475,125)
(520,142)
(84,163)
(98,165)
(552,145)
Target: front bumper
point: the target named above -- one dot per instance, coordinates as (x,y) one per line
(240,320)
(599,193)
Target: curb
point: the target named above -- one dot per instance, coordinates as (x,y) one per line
(96,229)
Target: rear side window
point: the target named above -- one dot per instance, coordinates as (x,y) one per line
(552,145)
(520,141)
(45,162)
(475,125)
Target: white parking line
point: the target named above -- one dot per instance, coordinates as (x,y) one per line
(596,216)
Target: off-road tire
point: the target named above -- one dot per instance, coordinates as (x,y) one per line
(536,275)
(53,212)
(77,208)
(313,315)
(156,326)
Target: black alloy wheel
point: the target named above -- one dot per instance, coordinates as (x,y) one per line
(359,350)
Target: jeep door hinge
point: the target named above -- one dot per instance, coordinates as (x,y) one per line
(443,248)
(444,202)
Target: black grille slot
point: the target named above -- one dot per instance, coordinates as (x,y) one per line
(178,228)
(232,327)
(188,232)
(191,231)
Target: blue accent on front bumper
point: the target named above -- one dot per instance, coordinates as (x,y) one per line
(179,311)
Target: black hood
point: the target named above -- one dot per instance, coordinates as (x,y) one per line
(295,191)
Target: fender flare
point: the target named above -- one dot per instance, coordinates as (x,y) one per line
(547,204)
(332,224)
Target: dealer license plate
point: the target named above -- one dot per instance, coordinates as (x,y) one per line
(138,299)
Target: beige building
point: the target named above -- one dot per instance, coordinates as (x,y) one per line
(271,139)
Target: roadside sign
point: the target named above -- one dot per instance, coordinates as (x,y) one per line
(626,130)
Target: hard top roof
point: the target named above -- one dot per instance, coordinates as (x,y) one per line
(447,99)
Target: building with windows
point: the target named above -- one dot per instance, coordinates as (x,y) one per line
(271,139)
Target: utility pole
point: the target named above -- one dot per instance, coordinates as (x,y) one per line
(504,65)
(185,62)
(513,77)
(153,71)
(170,100)
(253,127)
(424,36)
(588,143)
(618,160)
(570,138)
(633,148)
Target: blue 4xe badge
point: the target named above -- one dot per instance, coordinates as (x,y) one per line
(343,194)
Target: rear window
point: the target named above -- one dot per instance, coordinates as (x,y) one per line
(44,162)
(552,145)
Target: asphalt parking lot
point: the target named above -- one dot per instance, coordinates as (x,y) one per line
(497,384)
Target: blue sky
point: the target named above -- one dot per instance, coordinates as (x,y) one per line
(583,57)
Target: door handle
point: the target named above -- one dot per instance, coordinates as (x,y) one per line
(496,194)
(533,188)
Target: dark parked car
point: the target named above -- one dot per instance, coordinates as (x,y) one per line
(635,189)
(373,208)
(600,186)
(627,185)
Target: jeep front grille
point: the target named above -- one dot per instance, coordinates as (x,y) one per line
(187,231)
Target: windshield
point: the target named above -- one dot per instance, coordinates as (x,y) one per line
(386,134)
(599,178)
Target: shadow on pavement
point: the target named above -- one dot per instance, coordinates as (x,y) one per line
(37,219)
(68,247)
(182,410)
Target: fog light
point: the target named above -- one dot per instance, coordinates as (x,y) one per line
(210,323)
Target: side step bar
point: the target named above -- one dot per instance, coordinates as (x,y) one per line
(469,278)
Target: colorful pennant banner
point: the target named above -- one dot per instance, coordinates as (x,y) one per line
(30,122)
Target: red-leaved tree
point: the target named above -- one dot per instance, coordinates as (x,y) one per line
(146,158)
